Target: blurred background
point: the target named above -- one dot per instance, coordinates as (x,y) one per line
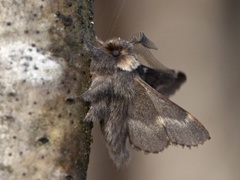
(202,39)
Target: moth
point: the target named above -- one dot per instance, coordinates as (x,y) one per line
(130,100)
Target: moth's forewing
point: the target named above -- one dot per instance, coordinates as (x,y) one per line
(164,121)
(146,131)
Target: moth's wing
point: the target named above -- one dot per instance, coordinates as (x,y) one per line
(171,85)
(156,122)
(145,128)
(165,83)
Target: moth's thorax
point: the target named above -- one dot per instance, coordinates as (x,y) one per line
(102,67)
(128,63)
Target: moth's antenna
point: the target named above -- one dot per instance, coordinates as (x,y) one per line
(117,17)
(141,46)
(141,38)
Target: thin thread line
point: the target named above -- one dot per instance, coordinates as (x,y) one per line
(117,18)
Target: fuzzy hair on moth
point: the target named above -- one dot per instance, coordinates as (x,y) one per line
(130,100)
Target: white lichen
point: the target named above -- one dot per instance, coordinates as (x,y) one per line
(22,62)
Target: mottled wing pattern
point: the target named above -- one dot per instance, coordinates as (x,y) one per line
(146,131)
(165,123)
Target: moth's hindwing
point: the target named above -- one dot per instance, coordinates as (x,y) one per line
(156,122)
(165,83)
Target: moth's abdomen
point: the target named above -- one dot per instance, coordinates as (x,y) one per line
(98,111)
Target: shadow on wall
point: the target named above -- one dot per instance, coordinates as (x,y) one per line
(201,38)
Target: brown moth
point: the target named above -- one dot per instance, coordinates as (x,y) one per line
(130,100)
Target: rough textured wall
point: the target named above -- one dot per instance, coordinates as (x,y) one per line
(43,66)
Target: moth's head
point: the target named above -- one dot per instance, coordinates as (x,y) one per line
(122,53)
(118,47)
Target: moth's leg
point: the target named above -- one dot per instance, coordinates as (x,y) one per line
(101,86)
(98,111)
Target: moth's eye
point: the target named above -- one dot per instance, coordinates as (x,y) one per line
(115,53)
